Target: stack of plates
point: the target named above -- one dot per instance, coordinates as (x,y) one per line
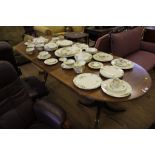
(122,63)
(111,72)
(87,81)
(103,57)
(50,46)
(116,88)
(95,65)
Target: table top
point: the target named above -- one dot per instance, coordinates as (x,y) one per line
(137,77)
(75,35)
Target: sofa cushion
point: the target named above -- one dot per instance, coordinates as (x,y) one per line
(56,29)
(143,58)
(126,42)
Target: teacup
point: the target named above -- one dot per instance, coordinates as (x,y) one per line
(79,66)
(40,47)
(69,62)
(117,85)
(79,57)
(30,50)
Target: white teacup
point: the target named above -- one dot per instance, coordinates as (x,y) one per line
(39,47)
(30,50)
(69,62)
(79,66)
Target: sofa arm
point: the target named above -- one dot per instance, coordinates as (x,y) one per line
(43,29)
(50,113)
(148,46)
(103,43)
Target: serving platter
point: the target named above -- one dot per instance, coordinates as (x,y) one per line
(67,51)
(122,63)
(64,43)
(102,56)
(87,81)
(116,88)
(111,72)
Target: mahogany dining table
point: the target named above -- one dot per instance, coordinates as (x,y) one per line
(137,77)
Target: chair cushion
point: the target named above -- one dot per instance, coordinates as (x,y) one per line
(126,42)
(143,58)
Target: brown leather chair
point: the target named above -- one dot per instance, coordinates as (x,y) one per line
(35,87)
(17,110)
(128,44)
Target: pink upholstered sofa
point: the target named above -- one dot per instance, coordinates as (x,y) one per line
(129,44)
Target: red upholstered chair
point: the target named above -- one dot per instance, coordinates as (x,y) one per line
(128,44)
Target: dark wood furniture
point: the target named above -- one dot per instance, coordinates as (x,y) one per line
(149,34)
(76,36)
(138,78)
(98,31)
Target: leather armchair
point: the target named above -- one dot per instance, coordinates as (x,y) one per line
(128,44)
(17,110)
(35,88)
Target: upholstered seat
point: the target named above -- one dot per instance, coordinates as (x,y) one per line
(17,110)
(128,44)
(140,58)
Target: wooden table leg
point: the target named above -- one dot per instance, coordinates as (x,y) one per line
(97,119)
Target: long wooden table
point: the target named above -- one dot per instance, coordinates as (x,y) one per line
(137,77)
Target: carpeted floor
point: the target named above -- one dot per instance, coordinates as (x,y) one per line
(139,113)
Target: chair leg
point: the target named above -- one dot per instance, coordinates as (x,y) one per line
(45,76)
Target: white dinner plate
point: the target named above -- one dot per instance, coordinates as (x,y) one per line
(87,81)
(111,72)
(123,90)
(122,63)
(51,61)
(67,51)
(103,57)
(95,65)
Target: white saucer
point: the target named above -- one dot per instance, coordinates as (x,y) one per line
(51,61)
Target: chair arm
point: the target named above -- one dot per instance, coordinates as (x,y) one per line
(147,46)
(43,29)
(103,43)
(49,113)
